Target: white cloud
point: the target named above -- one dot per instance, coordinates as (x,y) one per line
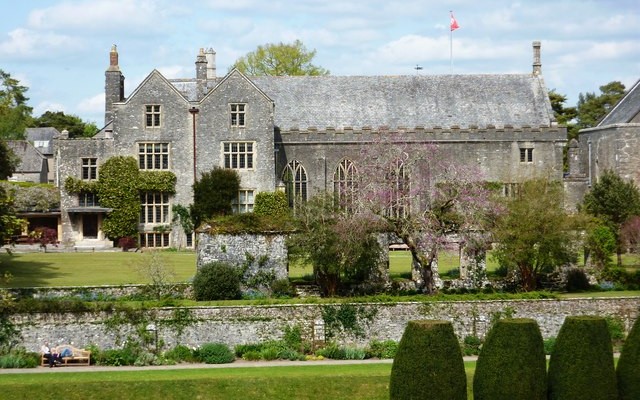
(45,106)
(92,108)
(26,43)
(175,71)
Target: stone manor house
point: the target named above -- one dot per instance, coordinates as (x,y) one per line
(301,134)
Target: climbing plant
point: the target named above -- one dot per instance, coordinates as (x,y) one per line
(118,187)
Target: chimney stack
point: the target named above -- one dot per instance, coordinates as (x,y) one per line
(210,55)
(114,85)
(201,73)
(537,65)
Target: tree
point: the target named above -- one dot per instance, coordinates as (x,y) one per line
(534,236)
(592,108)
(213,194)
(73,124)
(9,223)
(15,115)
(8,161)
(614,201)
(280,60)
(424,197)
(564,115)
(340,245)
(601,244)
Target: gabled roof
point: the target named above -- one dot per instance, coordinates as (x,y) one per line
(402,101)
(31,160)
(45,134)
(155,73)
(626,109)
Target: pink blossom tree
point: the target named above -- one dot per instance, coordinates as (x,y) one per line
(424,197)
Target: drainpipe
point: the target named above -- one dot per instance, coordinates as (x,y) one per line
(193,111)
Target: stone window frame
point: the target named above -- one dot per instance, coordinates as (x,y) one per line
(345,184)
(154,239)
(238,155)
(238,115)
(154,208)
(153,155)
(89,169)
(399,203)
(295,182)
(510,189)
(244,201)
(526,155)
(152,116)
(87,199)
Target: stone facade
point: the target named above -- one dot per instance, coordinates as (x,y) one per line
(298,131)
(251,324)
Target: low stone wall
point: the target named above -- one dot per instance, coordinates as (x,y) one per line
(233,325)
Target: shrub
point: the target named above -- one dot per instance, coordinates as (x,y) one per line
(216,281)
(270,353)
(512,363)
(241,349)
(332,351)
(252,355)
(384,349)
(628,371)
(180,353)
(471,346)
(549,344)
(215,353)
(428,364)
(19,358)
(581,365)
(272,204)
(282,288)
(577,281)
(354,353)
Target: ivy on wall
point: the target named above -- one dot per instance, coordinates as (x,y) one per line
(118,187)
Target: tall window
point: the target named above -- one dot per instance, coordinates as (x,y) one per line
(344,184)
(154,208)
(238,155)
(294,178)
(87,199)
(89,168)
(237,114)
(244,202)
(526,155)
(399,196)
(153,155)
(152,116)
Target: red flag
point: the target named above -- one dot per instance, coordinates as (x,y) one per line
(454,23)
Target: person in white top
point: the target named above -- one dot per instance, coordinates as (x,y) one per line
(51,358)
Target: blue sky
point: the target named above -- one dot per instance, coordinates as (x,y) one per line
(60,48)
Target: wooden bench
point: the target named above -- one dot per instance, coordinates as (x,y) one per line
(77,357)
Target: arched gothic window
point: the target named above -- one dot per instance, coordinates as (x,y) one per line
(399,195)
(294,178)
(345,184)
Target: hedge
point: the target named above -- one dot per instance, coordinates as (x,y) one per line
(581,364)
(628,371)
(512,363)
(428,363)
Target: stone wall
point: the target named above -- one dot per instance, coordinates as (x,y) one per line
(233,325)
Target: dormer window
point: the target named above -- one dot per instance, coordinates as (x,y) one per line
(152,116)
(237,115)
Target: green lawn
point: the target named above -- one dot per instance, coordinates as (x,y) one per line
(311,381)
(88,269)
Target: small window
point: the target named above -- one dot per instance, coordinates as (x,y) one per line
(154,208)
(526,155)
(190,239)
(244,202)
(154,239)
(152,116)
(87,199)
(237,115)
(238,155)
(89,169)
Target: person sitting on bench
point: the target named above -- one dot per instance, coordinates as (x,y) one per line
(53,358)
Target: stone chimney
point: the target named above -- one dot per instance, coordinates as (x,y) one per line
(573,157)
(210,55)
(114,85)
(201,74)
(537,65)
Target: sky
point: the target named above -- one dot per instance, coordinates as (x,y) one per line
(59,49)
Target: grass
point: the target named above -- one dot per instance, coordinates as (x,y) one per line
(88,269)
(326,382)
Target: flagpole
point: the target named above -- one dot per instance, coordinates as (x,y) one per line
(451,49)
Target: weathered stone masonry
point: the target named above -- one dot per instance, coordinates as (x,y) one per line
(250,324)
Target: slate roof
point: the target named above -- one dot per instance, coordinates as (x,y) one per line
(42,134)
(402,101)
(627,108)
(31,160)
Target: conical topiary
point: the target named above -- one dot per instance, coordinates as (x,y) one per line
(428,364)
(512,363)
(581,364)
(628,371)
